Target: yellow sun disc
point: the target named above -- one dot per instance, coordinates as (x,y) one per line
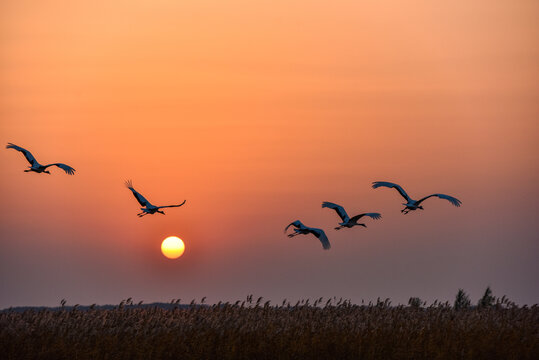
(172,247)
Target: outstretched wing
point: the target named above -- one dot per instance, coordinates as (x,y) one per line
(27,154)
(451,199)
(161,207)
(68,169)
(321,235)
(374,216)
(142,201)
(296,224)
(338,208)
(401,191)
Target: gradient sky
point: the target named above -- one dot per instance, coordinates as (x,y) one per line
(256,112)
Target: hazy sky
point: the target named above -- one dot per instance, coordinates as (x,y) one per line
(256,112)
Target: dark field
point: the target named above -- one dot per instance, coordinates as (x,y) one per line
(262,331)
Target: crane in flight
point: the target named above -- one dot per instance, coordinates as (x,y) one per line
(301,229)
(37,167)
(412,204)
(346,220)
(147,207)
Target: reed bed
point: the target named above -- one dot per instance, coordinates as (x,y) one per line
(258,330)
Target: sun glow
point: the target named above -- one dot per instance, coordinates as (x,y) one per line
(172,247)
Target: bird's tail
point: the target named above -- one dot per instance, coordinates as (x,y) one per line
(129,184)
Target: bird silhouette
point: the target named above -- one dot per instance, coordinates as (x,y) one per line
(346,220)
(147,208)
(37,167)
(414,204)
(301,229)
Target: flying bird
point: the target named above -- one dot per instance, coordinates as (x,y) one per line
(37,167)
(147,208)
(301,229)
(414,204)
(346,220)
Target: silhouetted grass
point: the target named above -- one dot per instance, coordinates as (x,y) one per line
(257,330)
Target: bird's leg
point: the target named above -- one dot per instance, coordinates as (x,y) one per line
(292,235)
(338,228)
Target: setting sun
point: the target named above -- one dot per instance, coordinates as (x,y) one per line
(172,247)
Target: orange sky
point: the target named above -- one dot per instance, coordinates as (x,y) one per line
(256,112)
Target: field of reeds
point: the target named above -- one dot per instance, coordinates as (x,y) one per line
(260,330)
